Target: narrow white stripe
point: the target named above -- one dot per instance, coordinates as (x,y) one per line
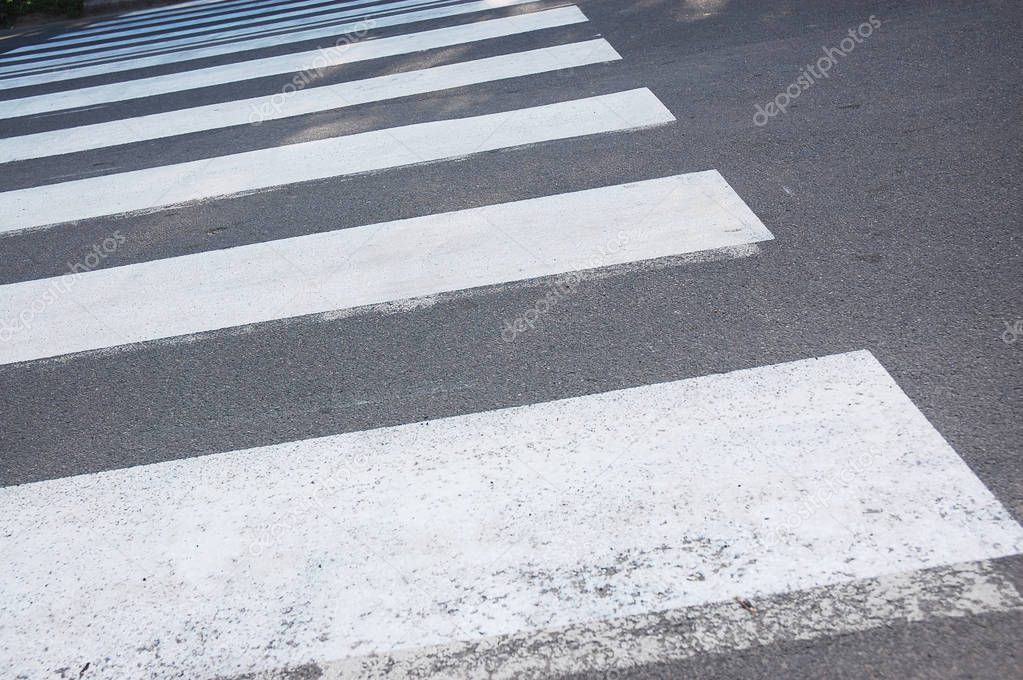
(245,45)
(289,63)
(264,108)
(203,4)
(681,494)
(80,57)
(333,157)
(135,26)
(178,12)
(165,41)
(374,264)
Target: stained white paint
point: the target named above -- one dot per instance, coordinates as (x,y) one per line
(375,263)
(271,107)
(756,482)
(173,39)
(338,30)
(250,15)
(610,646)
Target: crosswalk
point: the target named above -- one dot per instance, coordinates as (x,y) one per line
(587,533)
(169,185)
(326,98)
(59,69)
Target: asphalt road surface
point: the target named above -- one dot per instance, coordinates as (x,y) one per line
(507,339)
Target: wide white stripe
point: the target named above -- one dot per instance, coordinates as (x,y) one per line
(139,26)
(333,157)
(255,43)
(165,41)
(373,264)
(800,475)
(264,108)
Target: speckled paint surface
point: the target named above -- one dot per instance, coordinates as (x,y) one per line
(666,496)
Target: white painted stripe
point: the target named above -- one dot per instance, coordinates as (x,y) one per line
(333,157)
(165,40)
(373,264)
(611,646)
(207,7)
(139,42)
(191,18)
(264,108)
(203,4)
(82,56)
(291,63)
(127,27)
(682,494)
(139,62)
(180,11)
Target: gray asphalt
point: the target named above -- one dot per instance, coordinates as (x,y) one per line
(892,189)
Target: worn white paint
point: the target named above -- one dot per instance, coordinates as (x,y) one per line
(271,107)
(751,483)
(167,185)
(608,646)
(373,264)
(166,39)
(333,32)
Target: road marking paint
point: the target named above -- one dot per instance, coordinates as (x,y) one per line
(282,64)
(165,41)
(271,107)
(163,186)
(607,646)
(336,31)
(183,10)
(753,483)
(203,5)
(374,264)
(139,27)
